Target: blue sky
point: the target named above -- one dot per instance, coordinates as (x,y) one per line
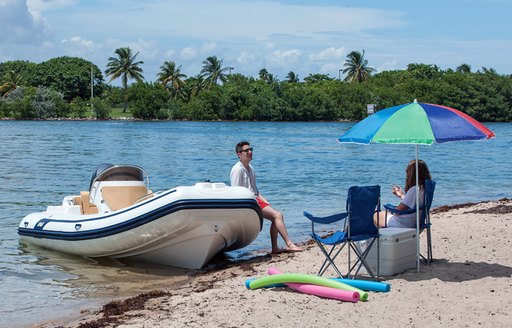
(303,36)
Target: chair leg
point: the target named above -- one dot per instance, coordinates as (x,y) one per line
(429,246)
(361,261)
(428,259)
(329,259)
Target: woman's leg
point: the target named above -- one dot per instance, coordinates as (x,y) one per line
(379,218)
(278,226)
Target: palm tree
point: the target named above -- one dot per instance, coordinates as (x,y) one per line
(356,67)
(263,74)
(193,86)
(213,71)
(292,77)
(267,77)
(12,81)
(124,66)
(172,76)
(464,68)
(317,77)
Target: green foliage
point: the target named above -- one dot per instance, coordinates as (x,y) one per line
(125,66)
(24,68)
(149,101)
(202,107)
(69,75)
(100,109)
(172,79)
(213,71)
(356,68)
(34,103)
(79,108)
(47,103)
(60,87)
(315,78)
(114,96)
(19,103)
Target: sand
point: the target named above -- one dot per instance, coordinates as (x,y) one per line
(469,284)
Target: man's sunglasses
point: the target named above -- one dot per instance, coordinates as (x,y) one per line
(247,150)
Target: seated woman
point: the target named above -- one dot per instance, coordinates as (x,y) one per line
(408,200)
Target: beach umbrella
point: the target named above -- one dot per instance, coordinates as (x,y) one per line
(419,124)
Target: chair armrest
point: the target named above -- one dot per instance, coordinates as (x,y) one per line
(394,210)
(326,219)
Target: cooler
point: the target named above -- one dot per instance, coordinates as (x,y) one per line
(397,251)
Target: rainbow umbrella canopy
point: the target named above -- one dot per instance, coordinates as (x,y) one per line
(416,123)
(419,124)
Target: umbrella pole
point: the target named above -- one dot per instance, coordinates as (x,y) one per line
(417,215)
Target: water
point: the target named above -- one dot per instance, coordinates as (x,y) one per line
(300,166)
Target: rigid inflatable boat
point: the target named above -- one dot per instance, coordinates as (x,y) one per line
(120,217)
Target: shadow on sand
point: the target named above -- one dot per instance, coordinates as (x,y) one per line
(448,271)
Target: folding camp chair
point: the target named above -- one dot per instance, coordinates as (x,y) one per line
(425,224)
(358,225)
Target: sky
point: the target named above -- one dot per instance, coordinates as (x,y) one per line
(303,36)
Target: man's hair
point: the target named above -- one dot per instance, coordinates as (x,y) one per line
(240,146)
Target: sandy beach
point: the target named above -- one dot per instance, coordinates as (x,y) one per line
(469,284)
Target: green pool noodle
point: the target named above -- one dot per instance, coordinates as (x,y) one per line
(304,279)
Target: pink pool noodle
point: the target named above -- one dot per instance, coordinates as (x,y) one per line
(322,291)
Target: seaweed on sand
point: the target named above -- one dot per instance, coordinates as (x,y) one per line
(113,311)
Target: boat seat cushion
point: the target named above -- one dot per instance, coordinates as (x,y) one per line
(117,197)
(87,206)
(78,201)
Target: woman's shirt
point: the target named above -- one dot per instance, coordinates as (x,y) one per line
(407,220)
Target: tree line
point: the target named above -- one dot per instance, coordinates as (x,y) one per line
(61,88)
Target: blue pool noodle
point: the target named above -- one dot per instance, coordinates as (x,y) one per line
(369,286)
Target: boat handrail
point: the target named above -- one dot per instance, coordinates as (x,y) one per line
(150,194)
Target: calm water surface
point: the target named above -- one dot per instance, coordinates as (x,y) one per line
(300,166)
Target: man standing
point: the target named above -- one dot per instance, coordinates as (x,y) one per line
(242,174)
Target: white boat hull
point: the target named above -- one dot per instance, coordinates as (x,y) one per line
(182,227)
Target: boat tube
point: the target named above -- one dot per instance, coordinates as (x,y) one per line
(120,217)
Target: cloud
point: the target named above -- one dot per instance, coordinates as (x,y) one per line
(387,66)
(246,57)
(42,5)
(285,55)
(79,42)
(329,53)
(20,25)
(188,53)
(307,37)
(283,60)
(208,48)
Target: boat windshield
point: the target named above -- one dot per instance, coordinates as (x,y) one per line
(110,172)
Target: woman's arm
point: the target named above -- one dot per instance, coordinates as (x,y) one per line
(402,207)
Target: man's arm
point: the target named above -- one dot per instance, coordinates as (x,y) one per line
(236,176)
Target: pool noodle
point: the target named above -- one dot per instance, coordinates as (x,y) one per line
(370,286)
(304,279)
(322,291)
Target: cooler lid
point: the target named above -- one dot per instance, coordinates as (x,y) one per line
(390,234)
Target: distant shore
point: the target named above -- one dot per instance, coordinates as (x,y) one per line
(469,284)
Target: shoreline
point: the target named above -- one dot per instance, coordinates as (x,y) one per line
(469,283)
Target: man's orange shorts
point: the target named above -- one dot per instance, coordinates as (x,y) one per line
(262,203)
